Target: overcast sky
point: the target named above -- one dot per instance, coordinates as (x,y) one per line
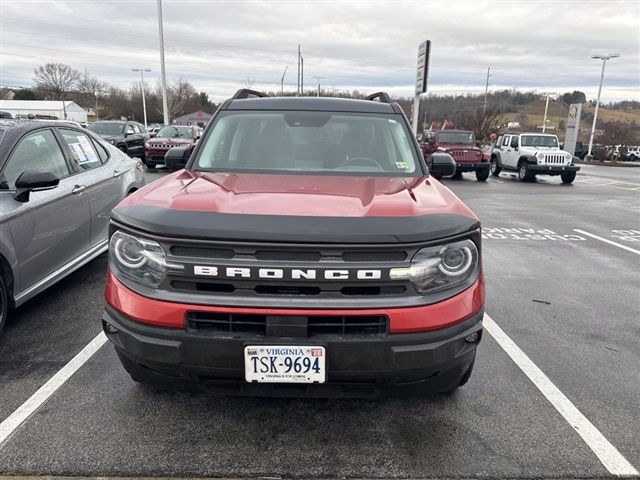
(369,46)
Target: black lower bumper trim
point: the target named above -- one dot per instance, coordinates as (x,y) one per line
(399,363)
(472,167)
(553,169)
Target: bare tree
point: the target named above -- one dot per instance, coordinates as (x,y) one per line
(92,88)
(618,134)
(56,79)
(248,82)
(178,94)
(482,123)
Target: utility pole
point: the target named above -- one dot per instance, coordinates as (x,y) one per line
(318,78)
(282,80)
(144,103)
(165,106)
(486,91)
(546,107)
(301,75)
(604,59)
(298,90)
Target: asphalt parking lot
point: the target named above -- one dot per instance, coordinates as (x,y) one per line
(562,266)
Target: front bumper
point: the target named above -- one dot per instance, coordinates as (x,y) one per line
(552,169)
(471,166)
(414,363)
(155,155)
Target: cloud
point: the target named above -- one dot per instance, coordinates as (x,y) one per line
(544,45)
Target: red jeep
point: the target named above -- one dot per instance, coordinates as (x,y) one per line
(462,146)
(304,250)
(167,138)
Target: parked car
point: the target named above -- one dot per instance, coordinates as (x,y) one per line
(633,154)
(58,184)
(128,136)
(153,130)
(167,138)
(462,146)
(304,250)
(532,154)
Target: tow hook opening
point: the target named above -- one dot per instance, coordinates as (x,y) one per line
(474,337)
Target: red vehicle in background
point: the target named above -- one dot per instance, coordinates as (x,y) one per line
(167,138)
(462,146)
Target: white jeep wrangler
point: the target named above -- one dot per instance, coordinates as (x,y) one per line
(532,154)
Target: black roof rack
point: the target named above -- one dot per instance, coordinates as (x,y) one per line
(383,96)
(246,93)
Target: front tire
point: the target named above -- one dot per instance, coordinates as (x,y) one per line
(150,165)
(524,175)
(495,168)
(568,177)
(482,175)
(457,175)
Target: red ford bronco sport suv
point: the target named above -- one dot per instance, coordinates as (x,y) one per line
(304,250)
(462,146)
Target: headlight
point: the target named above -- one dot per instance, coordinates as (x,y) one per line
(567,157)
(137,258)
(442,267)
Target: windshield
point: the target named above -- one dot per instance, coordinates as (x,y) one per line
(457,137)
(309,142)
(175,132)
(538,141)
(107,128)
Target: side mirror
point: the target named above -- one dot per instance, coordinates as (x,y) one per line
(177,157)
(34,181)
(441,165)
(514,143)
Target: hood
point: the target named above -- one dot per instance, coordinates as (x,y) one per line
(300,195)
(457,146)
(296,208)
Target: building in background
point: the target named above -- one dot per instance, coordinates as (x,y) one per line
(44,109)
(199,118)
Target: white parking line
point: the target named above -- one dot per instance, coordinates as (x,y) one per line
(24,411)
(609,455)
(610,242)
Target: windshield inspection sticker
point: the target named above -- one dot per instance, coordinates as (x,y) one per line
(402,165)
(490,233)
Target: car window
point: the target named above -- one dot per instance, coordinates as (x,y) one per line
(83,152)
(309,142)
(505,142)
(135,127)
(37,151)
(102,152)
(130,130)
(498,141)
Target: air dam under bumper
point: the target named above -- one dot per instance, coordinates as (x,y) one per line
(471,166)
(396,364)
(552,169)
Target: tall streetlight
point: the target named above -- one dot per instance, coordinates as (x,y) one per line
(318,78)
(282,80)
(546,107)
(604,59)
(144,103)
(165,106)
(486,91)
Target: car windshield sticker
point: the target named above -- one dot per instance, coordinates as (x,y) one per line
(85,153)
(402,165)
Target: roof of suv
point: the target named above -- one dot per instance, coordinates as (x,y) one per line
(323,104)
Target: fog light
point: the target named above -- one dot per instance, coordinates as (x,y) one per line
(109,328)
(473,338)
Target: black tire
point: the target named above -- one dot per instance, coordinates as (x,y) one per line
(524,174)
(457,175)
(568,177)
(463,380)
(482,175)
(495,167)
(150,165)
(123,148)
(4,303)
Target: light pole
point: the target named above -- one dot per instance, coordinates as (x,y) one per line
(486,91)
(318,78)
(165,106)
(144,103)
(546,107)
(604,59)
(282,80)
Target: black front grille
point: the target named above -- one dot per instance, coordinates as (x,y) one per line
(237,325)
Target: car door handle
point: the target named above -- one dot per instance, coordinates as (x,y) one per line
(117,173)
(78,189)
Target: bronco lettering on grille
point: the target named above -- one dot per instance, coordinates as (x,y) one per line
(287,273)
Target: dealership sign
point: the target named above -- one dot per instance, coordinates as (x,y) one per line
(423,67)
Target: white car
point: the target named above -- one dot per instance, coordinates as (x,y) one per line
(633,154)
(532,154)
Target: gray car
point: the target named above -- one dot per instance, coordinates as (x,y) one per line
(58,184)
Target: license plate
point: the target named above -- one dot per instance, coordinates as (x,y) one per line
(284,364)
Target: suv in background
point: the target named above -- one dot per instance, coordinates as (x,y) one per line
(632,154)
(532,154)
(167,138)
(304,250)
(128,136)
(462,146)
